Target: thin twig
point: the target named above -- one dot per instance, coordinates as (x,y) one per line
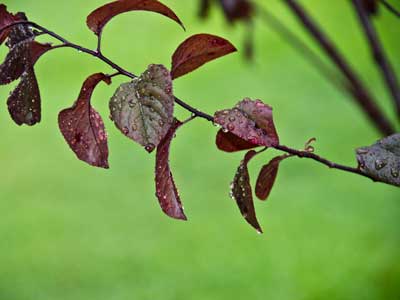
(362,96)
(390,8)
(379,54)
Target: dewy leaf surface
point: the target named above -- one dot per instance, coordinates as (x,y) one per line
(101,16)
(230,142)
(198,50)
(266,177)
(166,190)
(251,120)
(83,127)
(143,109)
(241,192)
(382,159)
(6,19)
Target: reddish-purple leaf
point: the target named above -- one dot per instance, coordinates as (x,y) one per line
(198,50)
(21,58)
(24,102)
(6,19)
(100,17)
(237,9)
(267,176)
(83,128)
(241,192)
(143,108)
(229,142)
(166,190)
(250,120)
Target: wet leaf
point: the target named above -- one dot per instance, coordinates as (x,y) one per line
(6,19)
(20,33)
(83,127)
(237,9)
(143,109)
(382,159)
(101,16)
(166,190)
(24,102)
(251,120)
(266,177)
(198,50)
(21,58)
(241,192)
(229,142)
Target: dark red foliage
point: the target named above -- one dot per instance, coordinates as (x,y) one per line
(250,120)
(100,17)
(166,190)
(83,127)
(6,19)
(198,50)
(229,142)
(241,192)
(267,176)
(237,9)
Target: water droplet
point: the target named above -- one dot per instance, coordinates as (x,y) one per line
(149,147)
(380,164)
(225,130)
(231,127)
(394,172)
(125,130)
(232,119)
(161,123)
(362,151)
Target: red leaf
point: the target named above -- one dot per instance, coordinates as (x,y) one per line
(166,191)
(228,142)
(241,192)
(100,17)
(6,19)
(198,50)
(250,120)
(237,9)
(21,57)
(83,128)
(267,176)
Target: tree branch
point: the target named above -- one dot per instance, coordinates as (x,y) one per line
(360,92)
(390,8)
(378,54)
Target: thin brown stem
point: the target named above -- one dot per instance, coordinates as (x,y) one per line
(390,8)
(378,53)
(361,94)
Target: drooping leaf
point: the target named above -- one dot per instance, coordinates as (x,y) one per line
(21,32)
(241,192)
(83,127)
(6,19)
(237,9)
(102,15)
(21,58)
(250,120)
(229,142)
(143,109)
(382,159)
(166,190)
(266,177)
(24,102)
(198,50)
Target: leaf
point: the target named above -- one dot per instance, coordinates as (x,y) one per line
(83,127)
(6,19)
(166,190)
(250,120)
(382,159)
(198,50)
(228,142)
(101,16)
(267,176)
(20,33)
(241,192)
(237,9)
(21,58)
(24,102)
(143,109)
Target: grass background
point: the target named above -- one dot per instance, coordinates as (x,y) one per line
(70,231)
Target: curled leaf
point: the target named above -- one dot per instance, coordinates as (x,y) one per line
(229,142)
(250,120)
(166,190)
(143,109)
(241,192)
(198,50)
(6,19)
(102,15)
(237,9)
(266,177)
(83,127)
(382,160)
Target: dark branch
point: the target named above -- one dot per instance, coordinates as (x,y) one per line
(357,88)
(378,54)
(390,8)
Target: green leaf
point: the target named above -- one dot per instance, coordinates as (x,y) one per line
(382,160)
(143,109)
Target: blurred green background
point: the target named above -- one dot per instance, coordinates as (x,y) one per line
(71,231)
